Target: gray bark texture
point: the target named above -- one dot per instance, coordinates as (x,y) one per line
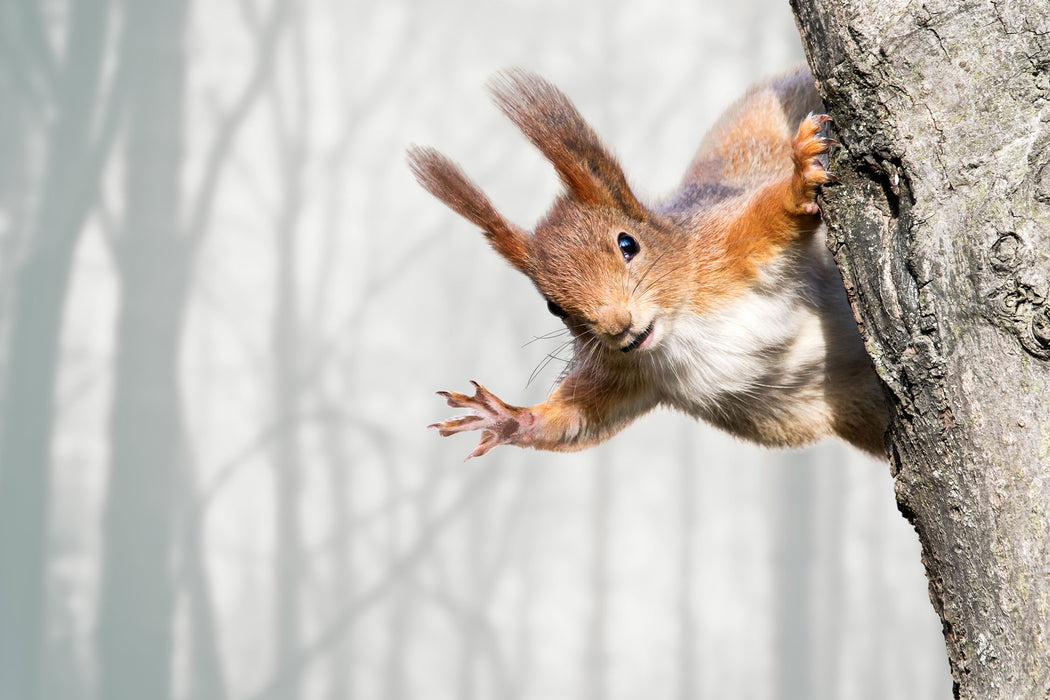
(941,228)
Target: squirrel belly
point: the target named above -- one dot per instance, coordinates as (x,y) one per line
(722,301)
(782,365)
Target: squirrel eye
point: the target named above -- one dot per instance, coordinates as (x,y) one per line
(628,246)
(555,309)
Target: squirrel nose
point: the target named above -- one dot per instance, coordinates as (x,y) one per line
(614,320)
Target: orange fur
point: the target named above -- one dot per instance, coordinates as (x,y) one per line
(443,178)
(781,211)
(556,128)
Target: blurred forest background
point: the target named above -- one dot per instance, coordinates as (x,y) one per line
(225,306)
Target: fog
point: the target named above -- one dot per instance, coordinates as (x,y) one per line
(225,307)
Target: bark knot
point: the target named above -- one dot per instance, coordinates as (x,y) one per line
(1017,292)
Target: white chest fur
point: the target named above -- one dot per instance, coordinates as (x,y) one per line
(760,364)
(758,349)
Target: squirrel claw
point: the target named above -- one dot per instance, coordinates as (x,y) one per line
(456,425)
(499,423)
(810,173)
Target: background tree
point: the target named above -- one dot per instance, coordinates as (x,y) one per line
(137,603)
(66,90)
(942,231)
(794,563)
(291,111)
(148,476)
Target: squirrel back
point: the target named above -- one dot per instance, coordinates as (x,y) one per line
(721,300)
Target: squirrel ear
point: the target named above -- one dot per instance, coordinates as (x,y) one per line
(444,179)
(552,123)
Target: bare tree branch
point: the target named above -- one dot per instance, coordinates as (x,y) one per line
(231,123)
(430,534)
(316,366)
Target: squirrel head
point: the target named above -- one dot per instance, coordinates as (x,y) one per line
(602,260)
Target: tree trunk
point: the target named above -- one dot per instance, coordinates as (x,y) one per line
(831,485)
(942,230)
(793,562)
(597,660)
(689,658)
(290,113)
(137,598)
(28,370)
(473,572)
(207,680)
(341,470)
(289,557)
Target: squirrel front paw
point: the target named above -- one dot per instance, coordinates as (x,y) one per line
(499,423)
(810,173)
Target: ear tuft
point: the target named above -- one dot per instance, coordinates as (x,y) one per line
(552,123)
(445,180)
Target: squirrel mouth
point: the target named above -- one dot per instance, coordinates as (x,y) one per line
(641,338)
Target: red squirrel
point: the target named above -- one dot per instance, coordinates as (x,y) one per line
(721,300)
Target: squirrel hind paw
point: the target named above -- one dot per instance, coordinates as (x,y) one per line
(810,172)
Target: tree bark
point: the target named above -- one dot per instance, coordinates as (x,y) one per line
(941,228)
